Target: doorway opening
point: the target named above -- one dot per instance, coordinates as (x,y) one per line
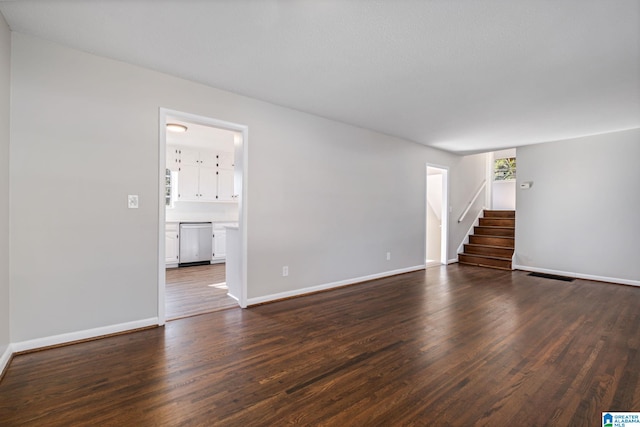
(202,170)
(437,215)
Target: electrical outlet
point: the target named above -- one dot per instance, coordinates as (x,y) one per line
(285,271)
(132,200)
(388,256)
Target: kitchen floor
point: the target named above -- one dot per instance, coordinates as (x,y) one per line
(200,289)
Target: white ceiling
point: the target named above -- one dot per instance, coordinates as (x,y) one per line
(464,75)
(201,136)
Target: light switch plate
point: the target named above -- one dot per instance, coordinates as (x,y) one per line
(133,201)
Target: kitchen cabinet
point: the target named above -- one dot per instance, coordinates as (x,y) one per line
(224,160)
(188,183)
(172,244)
(173,158)
(219,244)
(203,176)
(197,184)
(189,156)
(225,185)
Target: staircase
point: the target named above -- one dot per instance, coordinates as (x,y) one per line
(492,242)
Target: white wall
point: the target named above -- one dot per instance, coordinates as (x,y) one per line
(581,214)
(5,60)
(503,196)
(203,211)
(326,199)
(465,179)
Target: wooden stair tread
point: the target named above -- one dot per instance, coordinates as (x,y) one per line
(494,231)
(497,222)
(487,246)
(487,256)
(491,242)
(494,235)
(489,213)
(485,261)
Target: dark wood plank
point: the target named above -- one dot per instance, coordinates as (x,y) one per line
(485,261)
(483,249)
(196,290)
(507,242)
(497,222)
(454,345)
(494,231)
(499,214)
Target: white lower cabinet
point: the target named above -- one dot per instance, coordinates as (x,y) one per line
(219,244)
(172,244)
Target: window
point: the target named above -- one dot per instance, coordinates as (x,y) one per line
(504,169)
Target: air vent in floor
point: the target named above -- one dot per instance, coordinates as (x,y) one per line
(552,276)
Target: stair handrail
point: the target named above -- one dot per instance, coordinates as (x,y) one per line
(473,200)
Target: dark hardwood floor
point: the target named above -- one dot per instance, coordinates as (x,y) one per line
(194,290)
(457,345)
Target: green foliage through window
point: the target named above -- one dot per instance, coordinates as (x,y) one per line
(504,169)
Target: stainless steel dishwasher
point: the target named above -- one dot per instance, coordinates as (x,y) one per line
(195,243)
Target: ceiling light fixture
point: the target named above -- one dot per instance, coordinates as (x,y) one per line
(174,127)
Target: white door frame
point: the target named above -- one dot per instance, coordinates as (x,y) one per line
(240,168)
(444,232)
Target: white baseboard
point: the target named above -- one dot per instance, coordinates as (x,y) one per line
(326,286)
(81,335)
(5,357)
(452,261)
(578,275)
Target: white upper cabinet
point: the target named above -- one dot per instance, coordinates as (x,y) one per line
(203,175)
(225,160)
(188,183)
(208,184)
(173,158)
(225,185)
(189,156)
